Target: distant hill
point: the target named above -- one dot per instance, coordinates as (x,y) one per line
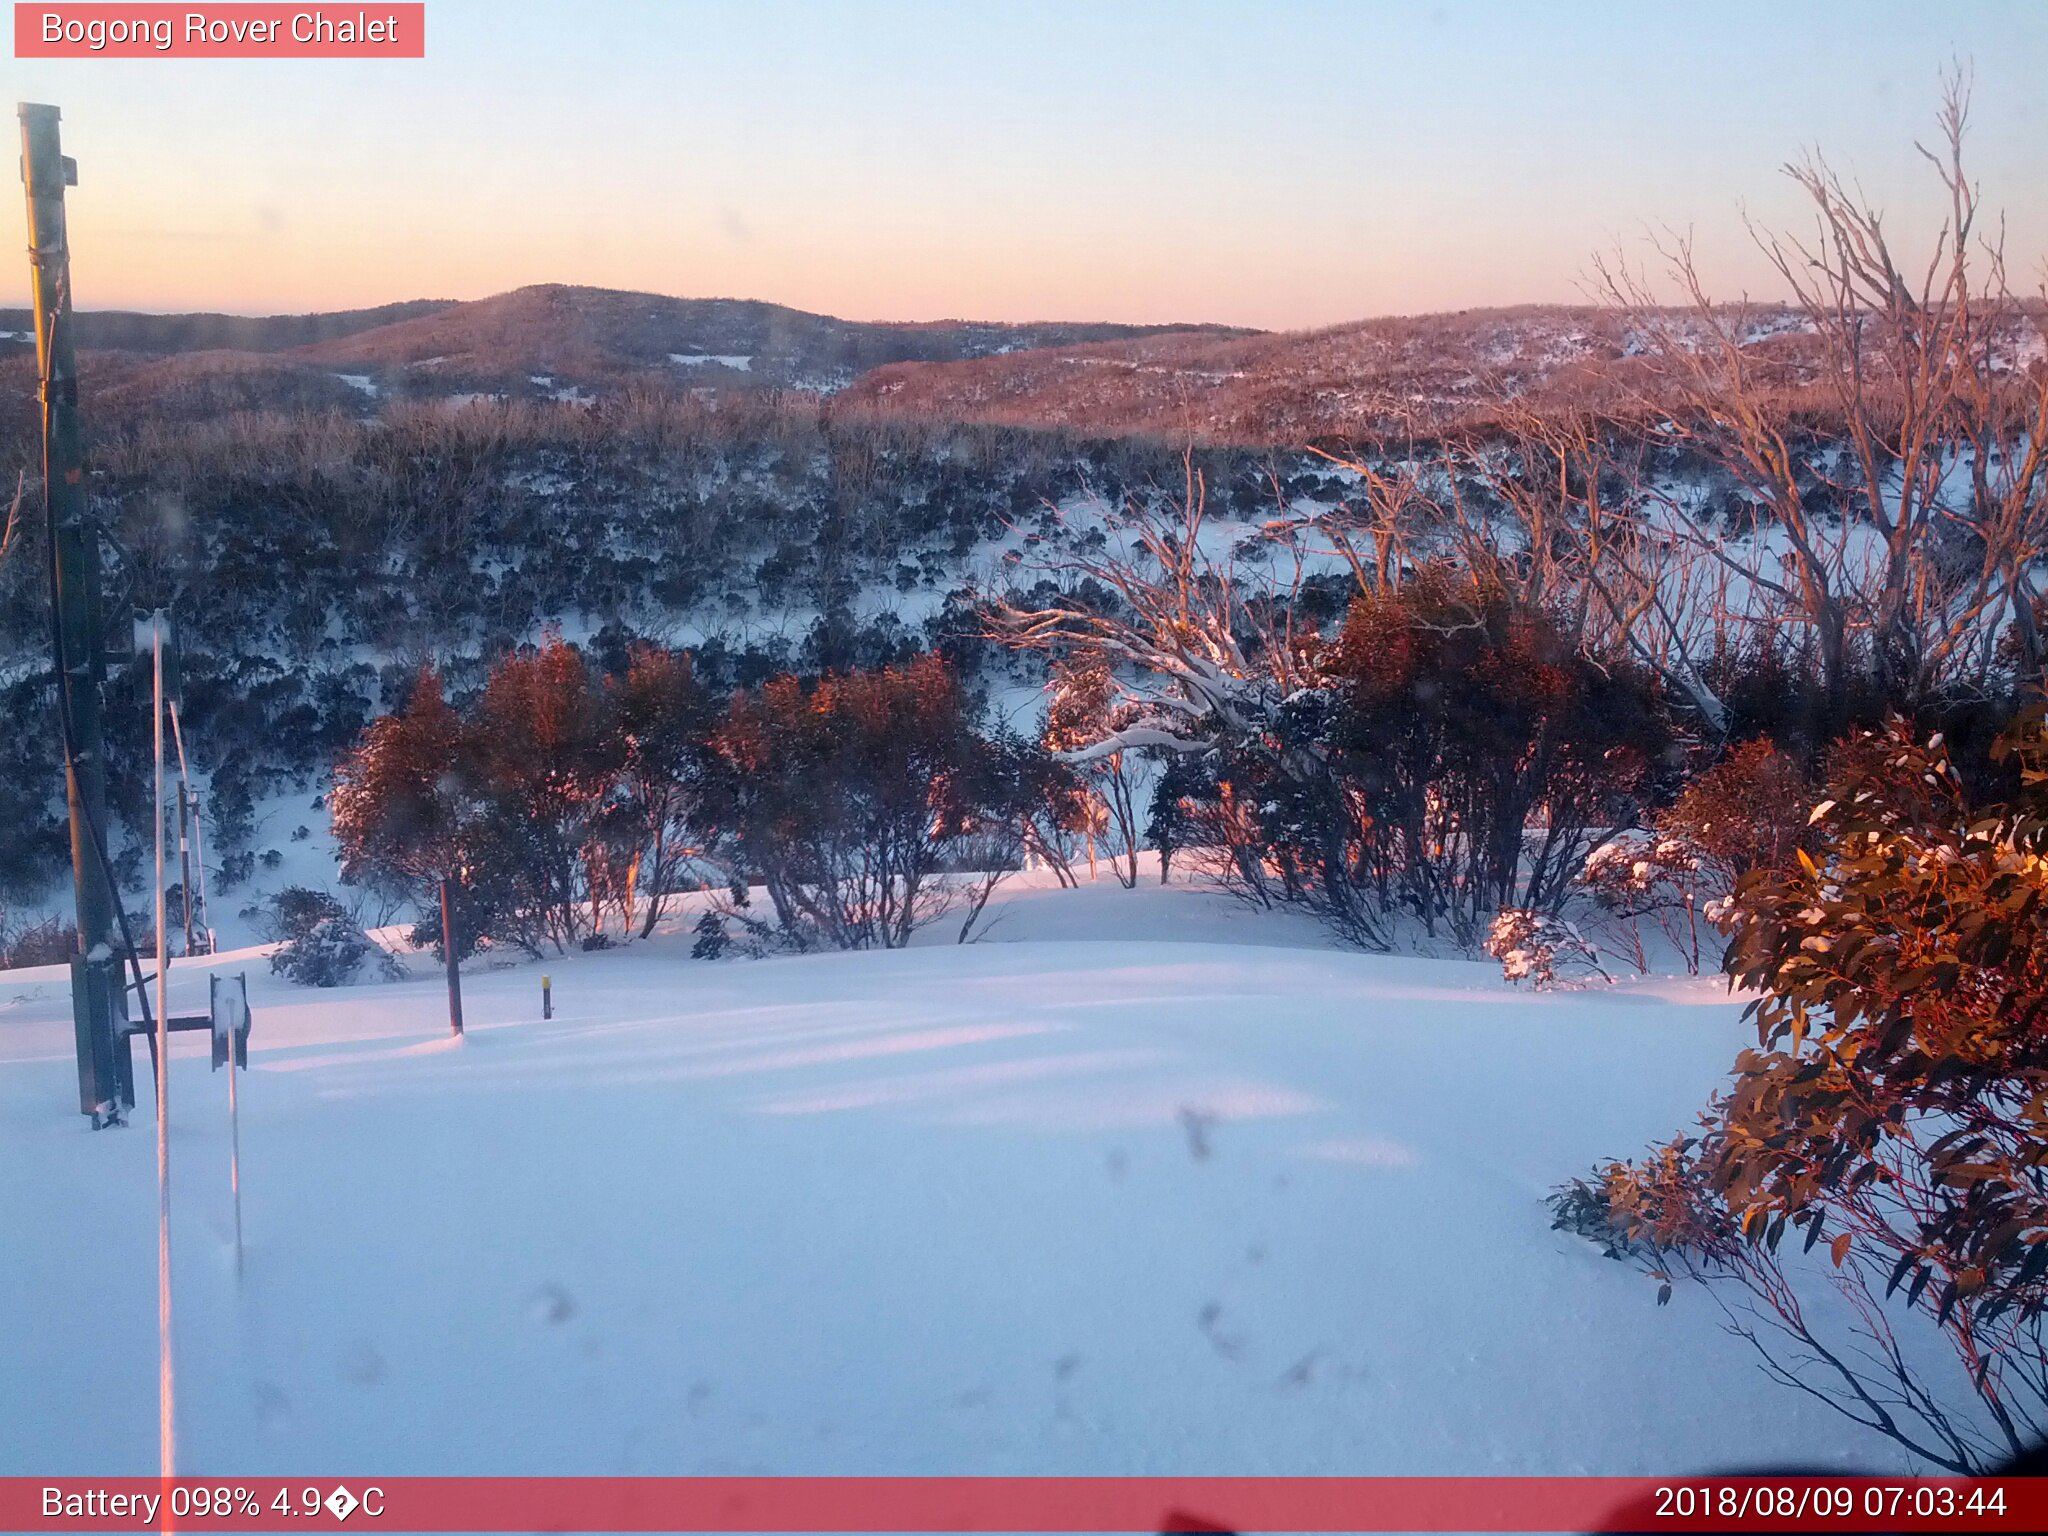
(1427,372)
(1202,383)
(595,334)
(122,330)
(552,340)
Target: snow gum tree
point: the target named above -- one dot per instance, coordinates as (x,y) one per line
(1898,515)
(852,797)
(1474,751)
(1086,707)
(523,804)
(664,718)
(1442,755)
(547,747)
(396,803)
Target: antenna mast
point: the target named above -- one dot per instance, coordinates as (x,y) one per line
(98,1006)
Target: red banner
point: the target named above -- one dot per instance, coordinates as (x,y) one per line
(119,31)
(1026,1504)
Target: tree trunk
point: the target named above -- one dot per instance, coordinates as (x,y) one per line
(656,896)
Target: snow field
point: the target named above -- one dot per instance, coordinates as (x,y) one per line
(1114,1191)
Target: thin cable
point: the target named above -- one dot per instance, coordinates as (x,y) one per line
(191,803)
(198,836)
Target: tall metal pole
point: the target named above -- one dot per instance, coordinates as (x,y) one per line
(75,626)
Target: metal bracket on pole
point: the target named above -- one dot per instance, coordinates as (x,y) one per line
(229,1016)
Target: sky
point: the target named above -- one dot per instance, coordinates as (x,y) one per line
(1273,163)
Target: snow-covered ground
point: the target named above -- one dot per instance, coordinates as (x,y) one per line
(1141,1183)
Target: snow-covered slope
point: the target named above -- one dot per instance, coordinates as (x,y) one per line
(1161,1202)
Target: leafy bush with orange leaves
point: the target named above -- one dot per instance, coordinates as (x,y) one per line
(1464,752)
(852,797)
(1895,1108)
(1747,812)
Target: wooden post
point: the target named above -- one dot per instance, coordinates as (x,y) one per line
(448,954)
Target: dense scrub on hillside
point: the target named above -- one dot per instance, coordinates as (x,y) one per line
(315,557)
(317,535)
(1403,376)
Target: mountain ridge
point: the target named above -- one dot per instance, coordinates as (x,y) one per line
(175,332)
(563,343)
(580,333)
